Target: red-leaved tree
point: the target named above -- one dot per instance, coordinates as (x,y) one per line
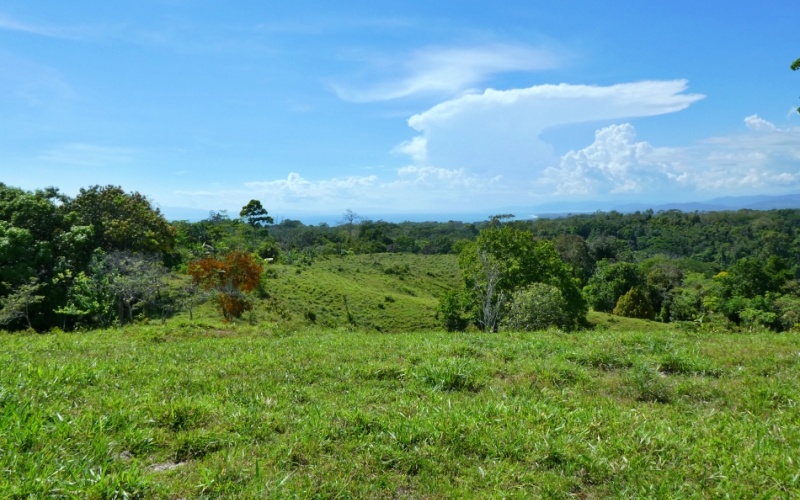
(231,278)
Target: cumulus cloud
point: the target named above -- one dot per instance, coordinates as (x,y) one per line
(614,163)
(763,158)
(500,129)
(754,122)
(444,70)
(483,151)
(416,148)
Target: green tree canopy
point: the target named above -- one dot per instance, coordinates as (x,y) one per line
(610,281)
(537,307)
(635,303)
(121,221)
(255,214)
(520,260)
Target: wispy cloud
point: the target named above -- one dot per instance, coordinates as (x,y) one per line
(88,155)
(30,83)
(10,23)
(443,70)
(422,188)
(331,25)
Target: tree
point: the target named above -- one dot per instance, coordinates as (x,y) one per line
(121,221)
(662,278)
(505,259)
(795,66)
(255,214)
(610,281)
(634,304)
(350,220)
(136,280)
(497,219)
(451,311)
(89,298)
(490,296)
(574,251)
(231,278)
(17,304)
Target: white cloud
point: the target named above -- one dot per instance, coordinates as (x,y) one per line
(754,122)
(484,151)
(9,23)
(436,177)
(616,165)
(765,158)
(416,148)
(407,189)
(297,189)
(444,70)
(613,164)
(498,130)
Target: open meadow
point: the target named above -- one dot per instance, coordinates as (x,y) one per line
(195,409)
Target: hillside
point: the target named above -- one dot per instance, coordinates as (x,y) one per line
(382,292)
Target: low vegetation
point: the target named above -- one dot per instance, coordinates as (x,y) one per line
(195,409)
(383,292)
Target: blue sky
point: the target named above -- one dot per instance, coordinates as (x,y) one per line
(401,107)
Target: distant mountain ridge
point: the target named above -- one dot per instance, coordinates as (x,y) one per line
(755,202)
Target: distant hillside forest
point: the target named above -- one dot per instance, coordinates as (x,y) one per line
(108,257)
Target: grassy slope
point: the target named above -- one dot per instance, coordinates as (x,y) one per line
(341,413)
(385,292)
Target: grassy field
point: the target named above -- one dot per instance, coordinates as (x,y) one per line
(381,292)
(199,410)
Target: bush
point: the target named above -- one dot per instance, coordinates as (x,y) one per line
(635,304)
(537,307)
(451,311)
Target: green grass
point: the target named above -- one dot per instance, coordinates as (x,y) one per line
(381,292)
(194,410)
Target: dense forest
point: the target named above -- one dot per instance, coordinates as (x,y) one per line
(108,257)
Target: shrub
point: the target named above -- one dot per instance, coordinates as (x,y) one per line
(451,311)
(635,304)
(537,307)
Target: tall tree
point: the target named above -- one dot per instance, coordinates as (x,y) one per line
(255,214)
(795,66)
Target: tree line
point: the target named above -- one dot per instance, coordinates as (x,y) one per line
(108,256)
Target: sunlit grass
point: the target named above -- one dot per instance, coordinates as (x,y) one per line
(381,292)
(194,409)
